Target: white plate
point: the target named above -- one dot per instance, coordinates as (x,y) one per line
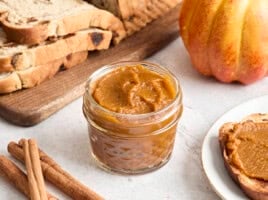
(211,155)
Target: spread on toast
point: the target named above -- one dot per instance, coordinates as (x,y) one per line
(244,148)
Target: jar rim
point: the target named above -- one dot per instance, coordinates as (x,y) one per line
(110,67)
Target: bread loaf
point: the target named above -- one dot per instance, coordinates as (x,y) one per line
(34,21)
(25,66)
(136,14)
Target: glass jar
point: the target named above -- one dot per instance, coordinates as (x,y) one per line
(131,143)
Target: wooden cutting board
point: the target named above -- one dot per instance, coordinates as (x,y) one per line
(31,106)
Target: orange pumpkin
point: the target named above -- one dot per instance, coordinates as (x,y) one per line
(227,39)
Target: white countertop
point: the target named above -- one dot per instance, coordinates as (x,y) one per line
(64,136)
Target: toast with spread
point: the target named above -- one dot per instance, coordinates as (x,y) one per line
(244,147)
(34,21)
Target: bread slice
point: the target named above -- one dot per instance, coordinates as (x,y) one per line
(34,21)
(14,57)
(33,76)
(136,14)
(253,187)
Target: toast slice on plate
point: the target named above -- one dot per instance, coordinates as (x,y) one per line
(135,14)
(34,21)
(244,146)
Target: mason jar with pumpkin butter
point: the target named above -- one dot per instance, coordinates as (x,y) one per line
(132,109)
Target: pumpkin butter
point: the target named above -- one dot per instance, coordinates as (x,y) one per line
(133,110)
(250,149)
(134,90)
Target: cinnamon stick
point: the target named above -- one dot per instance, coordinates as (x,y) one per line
(57,176)
(16,176)
(34,172)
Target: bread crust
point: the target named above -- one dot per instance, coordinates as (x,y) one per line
(26,35)
(35,75)
(254,188)
(10,83)
(6,64)
(84,19)
(92,39)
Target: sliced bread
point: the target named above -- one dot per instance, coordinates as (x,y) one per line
(34,21)
(255,188)
(14,57)
(136,14)
(10,82)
